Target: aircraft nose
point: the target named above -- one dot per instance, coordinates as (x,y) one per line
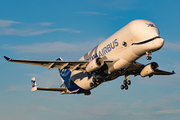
(160,42)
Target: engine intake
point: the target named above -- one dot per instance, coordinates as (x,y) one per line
(94,65)
(148,70)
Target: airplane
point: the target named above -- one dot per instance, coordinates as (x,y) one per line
(114,57)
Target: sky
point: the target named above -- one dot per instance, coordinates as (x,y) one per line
(46,30)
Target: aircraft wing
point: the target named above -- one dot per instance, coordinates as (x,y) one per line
(136,68)
(71,65)
(161,72)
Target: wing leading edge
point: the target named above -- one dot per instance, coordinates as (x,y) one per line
(71,65)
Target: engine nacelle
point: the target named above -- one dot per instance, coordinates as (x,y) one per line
(149,69)
(95,65)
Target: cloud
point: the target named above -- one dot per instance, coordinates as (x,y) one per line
(53,47)
(102,110)
(52,98)
(139,109)
(31,32)
(168,111)
(172,46)
(42,108)
(24,29)
(47,47)
(7,23)
(112,110)
(143,109)
(46,24)
(92,13)
(18,88)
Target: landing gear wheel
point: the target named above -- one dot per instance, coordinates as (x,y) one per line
(95,85)
(149,57)
(126,87)
(125,82)
(94,80)
(122,87)
(129,82)
(91,84)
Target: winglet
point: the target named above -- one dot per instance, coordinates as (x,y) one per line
(59,59)
(7,58)
(173,72)
(33,85)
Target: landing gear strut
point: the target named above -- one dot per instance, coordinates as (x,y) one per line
(149,57)
(126,82)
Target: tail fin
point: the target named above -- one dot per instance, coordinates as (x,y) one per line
(60,59)
(64,73)
(33,85)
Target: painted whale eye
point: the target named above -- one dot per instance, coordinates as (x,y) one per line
(124,44)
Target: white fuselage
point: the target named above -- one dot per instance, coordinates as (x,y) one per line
(124,47)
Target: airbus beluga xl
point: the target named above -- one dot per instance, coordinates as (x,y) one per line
(114,57)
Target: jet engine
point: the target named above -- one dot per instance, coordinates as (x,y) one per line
(94,65)
(148,70)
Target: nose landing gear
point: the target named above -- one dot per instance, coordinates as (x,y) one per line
(149,57)
(126,82)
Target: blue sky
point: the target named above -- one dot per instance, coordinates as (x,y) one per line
(46,30)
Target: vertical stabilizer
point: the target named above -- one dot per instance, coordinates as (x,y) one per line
(33,85)
(65,74)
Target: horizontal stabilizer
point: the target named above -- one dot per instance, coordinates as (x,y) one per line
(34,87)
(52,89)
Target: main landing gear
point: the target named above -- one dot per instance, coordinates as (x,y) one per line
(149,57)
(95,82)
(126,82)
